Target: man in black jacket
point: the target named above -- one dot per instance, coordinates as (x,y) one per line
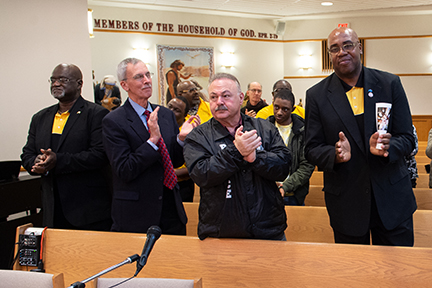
(64,146)
(368,191)
(291,127)
(236,160)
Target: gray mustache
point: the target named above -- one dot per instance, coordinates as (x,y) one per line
(221,108)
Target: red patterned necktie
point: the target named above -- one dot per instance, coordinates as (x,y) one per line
(170,178)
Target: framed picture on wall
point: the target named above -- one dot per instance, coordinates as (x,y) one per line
(179,63)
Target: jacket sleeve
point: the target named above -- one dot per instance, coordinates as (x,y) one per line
(30,151)
(208,168)
(205,167)
(402,142)
(299,177)
(317,152)
(273,161)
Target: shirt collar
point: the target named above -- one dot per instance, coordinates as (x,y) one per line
(138,108)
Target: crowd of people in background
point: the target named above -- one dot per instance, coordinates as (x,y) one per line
(107,166)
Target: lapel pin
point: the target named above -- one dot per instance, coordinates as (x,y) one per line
(78,112)
(370,94)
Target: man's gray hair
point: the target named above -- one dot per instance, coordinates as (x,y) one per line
(122,66)
(218,76)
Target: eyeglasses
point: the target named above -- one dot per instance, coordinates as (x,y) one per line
(346,48)
(255,90)
(61,80)
(140,77)
(190,90)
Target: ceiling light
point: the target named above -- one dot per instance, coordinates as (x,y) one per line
(326,3)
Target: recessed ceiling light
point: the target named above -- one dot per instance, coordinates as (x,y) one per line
(326,3)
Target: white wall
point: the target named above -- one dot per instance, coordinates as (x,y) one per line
(36,36)
(400,55)
(255,60)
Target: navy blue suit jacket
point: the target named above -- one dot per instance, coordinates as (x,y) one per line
(348,186)
(137,167)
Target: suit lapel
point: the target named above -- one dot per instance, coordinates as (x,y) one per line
(135,122)
(340,103)
(75,114)
(47,124)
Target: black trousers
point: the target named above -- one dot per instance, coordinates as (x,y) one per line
(402,235)
(187,190)
(170,222)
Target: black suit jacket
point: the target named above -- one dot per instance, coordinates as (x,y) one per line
(348,186)
(82,170)
(137,167)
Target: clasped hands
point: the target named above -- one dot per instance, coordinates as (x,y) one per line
(155,134)
(343,147)
(247,143)
(44,162)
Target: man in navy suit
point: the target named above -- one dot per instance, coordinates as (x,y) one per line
(64,145)
(367,190)
(141,199)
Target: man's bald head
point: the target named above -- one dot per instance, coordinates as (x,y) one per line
(342,30)
(281,84)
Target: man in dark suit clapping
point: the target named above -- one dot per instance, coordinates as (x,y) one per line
(134,135)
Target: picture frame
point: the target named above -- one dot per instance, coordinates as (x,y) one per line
(199,64)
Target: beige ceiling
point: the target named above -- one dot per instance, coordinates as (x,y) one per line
(279,9)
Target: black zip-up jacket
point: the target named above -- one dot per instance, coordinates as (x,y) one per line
(238,199)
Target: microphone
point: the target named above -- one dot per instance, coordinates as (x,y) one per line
(153,234)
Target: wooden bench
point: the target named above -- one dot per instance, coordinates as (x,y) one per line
(311,224)
(423,197)
(315,196)
(316,178)
(422,159)
(423,179)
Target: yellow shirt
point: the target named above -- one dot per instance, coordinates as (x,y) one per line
(60,122)
(204,112)
(356,100)
(267,111)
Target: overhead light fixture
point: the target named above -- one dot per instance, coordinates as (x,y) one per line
(90,22)
(327,3)
(227,59)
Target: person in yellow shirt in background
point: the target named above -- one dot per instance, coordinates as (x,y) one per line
(197,105)
(267,111)
(180,108)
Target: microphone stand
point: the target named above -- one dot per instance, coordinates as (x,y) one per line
(81,284)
